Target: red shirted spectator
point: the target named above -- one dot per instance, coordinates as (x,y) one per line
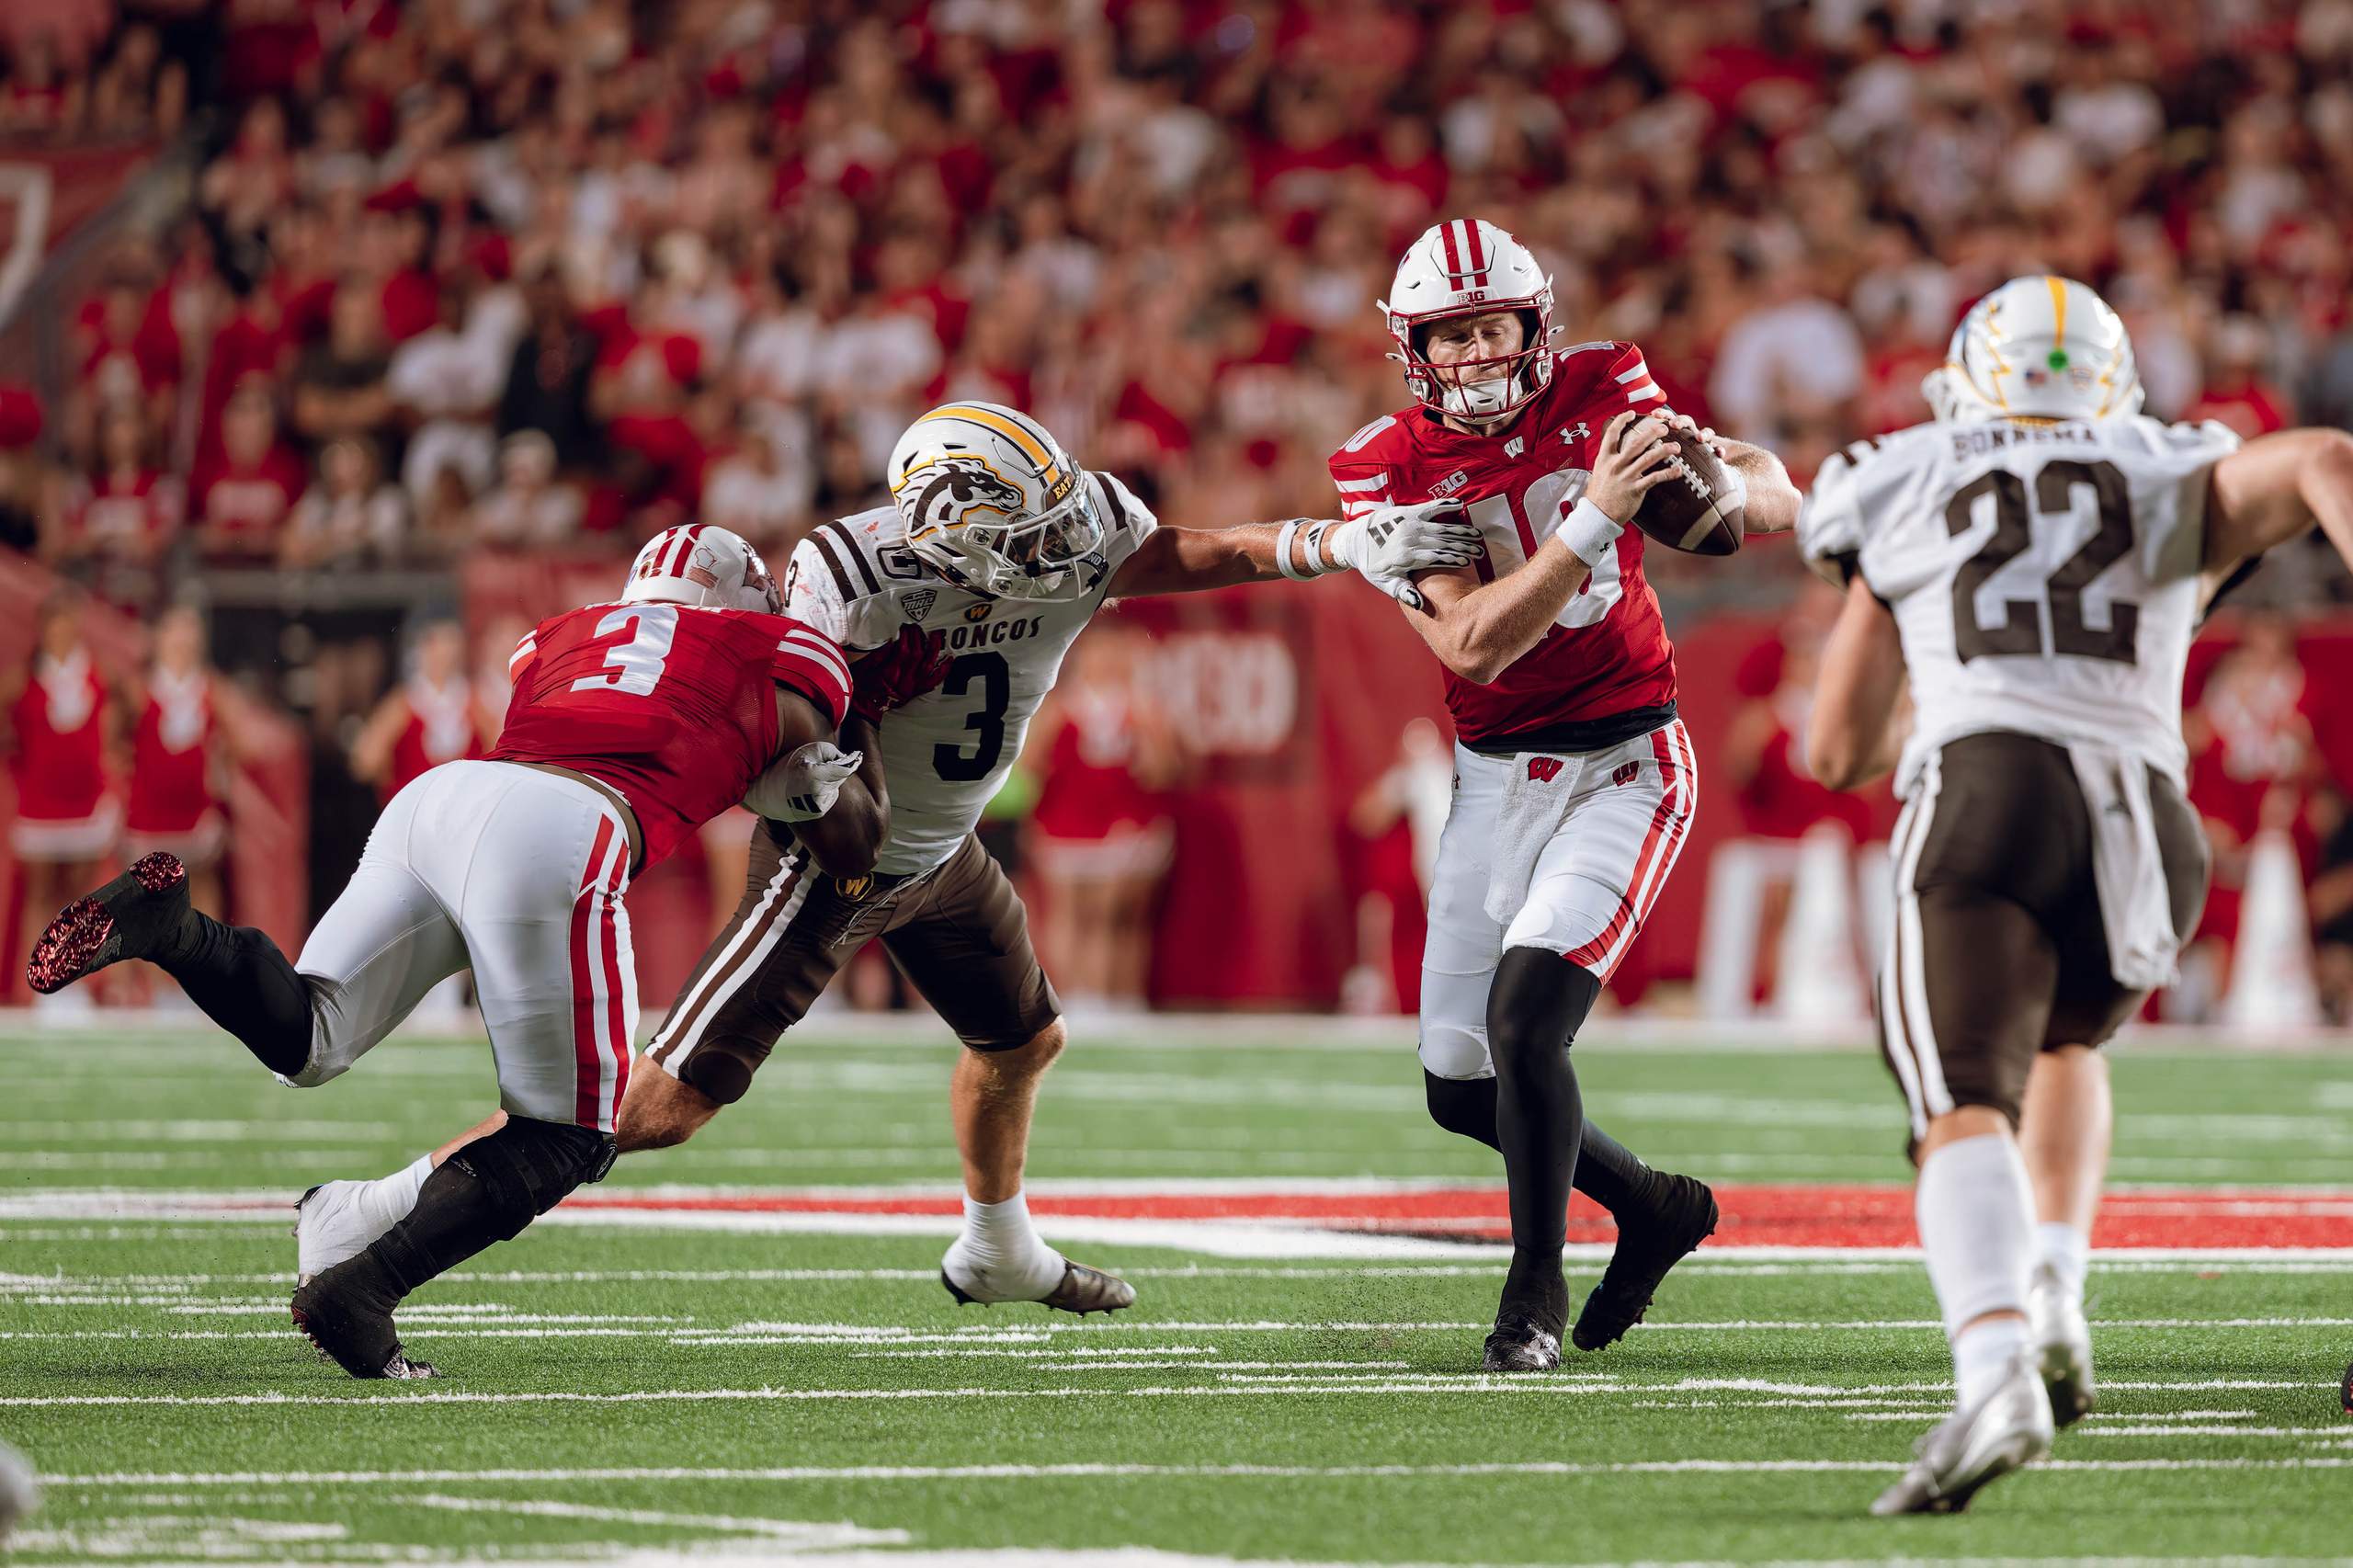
(127,509)
(37,99)
(238,502)
(130,349)
(61,727)
(434,716)
(2236,392)
(179,756)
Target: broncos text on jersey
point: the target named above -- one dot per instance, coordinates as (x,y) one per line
(946,753)
(1606,657)
(2045,578)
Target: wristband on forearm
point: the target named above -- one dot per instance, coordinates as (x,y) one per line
(1589,533)
(1312,547)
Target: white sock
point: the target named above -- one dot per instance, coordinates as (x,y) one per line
(1001,1248)
(389,1200)
(2066,1251)
(1982,1353)
(1975,1209)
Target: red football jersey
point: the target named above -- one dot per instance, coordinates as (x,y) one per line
(1607,655)
(61,740)
(669,704)
(170,756)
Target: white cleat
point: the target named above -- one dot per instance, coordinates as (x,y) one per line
(1053,1280)
(334,1221)
(2063,1342)
(2009,1429)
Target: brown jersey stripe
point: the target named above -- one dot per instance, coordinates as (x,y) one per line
(734,947)
(849,547)
(834,563)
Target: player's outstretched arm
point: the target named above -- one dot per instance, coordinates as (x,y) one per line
(1385,545)
(2274,488)
(1851,737)
(1478,630)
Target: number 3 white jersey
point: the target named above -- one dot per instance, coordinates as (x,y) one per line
(945,753)
(2044,577)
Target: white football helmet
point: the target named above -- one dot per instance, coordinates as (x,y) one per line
(2038,347)
(700,563)
(1467,266)
(994,503)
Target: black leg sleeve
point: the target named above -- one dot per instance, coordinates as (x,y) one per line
(1537,1003)
(488,1192)
(245,984)
(1608,1172)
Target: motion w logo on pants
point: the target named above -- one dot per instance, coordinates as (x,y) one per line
(1544,769)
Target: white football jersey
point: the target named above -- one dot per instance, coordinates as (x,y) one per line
(2044,577)
(946,753)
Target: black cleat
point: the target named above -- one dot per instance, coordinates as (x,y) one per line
(1520,1344)
(133,916)
(1685,1217)
(347,1315)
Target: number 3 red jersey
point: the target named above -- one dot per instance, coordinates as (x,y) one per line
(1607,657)
(669,704)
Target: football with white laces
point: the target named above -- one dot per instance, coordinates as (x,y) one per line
(1698,510)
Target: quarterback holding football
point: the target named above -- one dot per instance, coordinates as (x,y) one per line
(1575,782)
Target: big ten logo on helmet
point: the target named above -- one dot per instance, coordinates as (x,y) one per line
(1233,693)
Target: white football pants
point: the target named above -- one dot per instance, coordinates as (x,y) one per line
(1626,814)
(519,874)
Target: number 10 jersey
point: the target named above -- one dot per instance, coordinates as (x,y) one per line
(946,753)
(2044,577)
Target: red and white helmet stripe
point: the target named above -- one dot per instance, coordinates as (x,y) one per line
(1468,267)
(700,563)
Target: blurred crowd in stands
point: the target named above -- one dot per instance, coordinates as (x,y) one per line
(468,276)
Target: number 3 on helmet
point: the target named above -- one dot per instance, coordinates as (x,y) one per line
(994,503)
(701,564)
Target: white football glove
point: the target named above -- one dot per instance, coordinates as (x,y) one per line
(804,785)
(1389,543)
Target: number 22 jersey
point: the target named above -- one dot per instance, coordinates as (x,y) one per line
(1603,671)
(672,705)
(2044,577)
(946,753)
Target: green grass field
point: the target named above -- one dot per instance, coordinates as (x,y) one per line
(727,1373)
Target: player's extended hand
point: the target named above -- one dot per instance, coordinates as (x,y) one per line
(1631,458)
(896,674)
(804,785)
(1387,544)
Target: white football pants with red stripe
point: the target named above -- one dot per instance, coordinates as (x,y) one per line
(519,874)
(1629,811)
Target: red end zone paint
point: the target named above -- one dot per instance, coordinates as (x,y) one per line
(1753,1216)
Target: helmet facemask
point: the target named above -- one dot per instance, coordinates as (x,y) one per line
(1477,391)
(972,526)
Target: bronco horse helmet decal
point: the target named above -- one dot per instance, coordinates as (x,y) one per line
(994,504)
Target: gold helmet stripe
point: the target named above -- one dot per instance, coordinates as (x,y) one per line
(2058,306)
(1032,447)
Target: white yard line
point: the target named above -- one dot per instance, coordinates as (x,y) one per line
(831,1473)
(792,1532)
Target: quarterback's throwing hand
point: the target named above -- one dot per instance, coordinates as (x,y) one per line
(804,785)
(1387,544)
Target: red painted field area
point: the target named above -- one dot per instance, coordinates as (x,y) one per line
(1753,1216)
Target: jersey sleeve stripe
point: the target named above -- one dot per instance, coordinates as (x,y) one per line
(1356,508)
(1644,393)
(857,557)
(833,565)
(1370,482)
(813,678)
(523,654)
(809,644)
(1638,371)
(1118,507)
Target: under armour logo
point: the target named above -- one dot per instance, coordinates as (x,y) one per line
(1576,432)
(1544,769)
(1513,447)
(1625,773)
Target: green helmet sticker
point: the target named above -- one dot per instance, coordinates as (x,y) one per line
(2058,360)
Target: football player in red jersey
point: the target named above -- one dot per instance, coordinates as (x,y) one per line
(1575,784)
(632,723)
